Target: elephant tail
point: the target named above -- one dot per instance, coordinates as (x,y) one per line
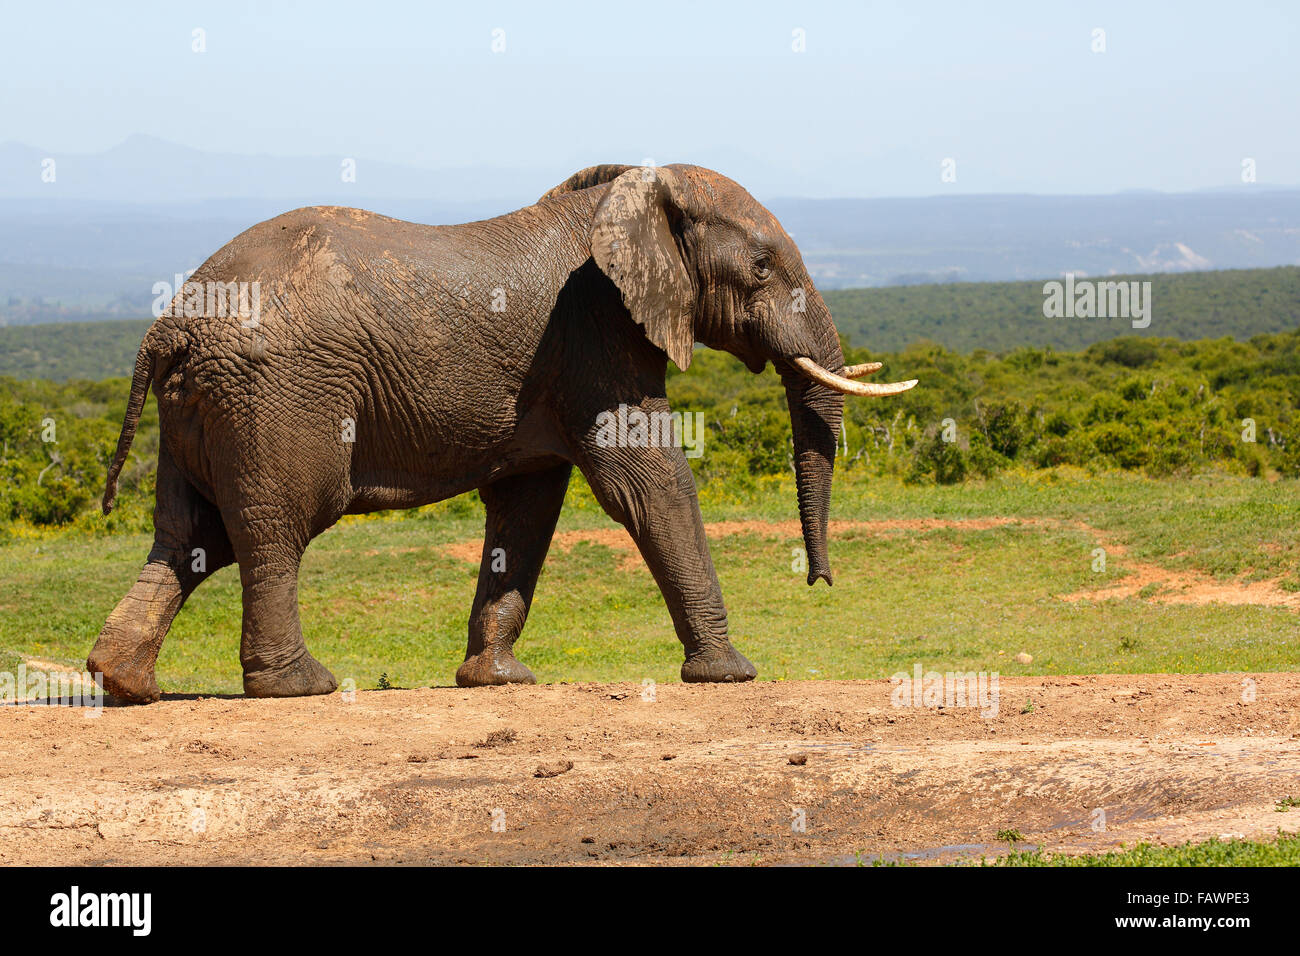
(134,406)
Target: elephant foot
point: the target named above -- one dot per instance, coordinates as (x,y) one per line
(719,663)
(304,677)
(493,666)
(126,674)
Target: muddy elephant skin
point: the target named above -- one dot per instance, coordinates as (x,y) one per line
(390,364)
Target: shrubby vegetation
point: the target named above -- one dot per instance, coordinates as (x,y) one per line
(60,351)
(54,482)
(1154,406)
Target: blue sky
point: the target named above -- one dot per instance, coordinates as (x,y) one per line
(882,94)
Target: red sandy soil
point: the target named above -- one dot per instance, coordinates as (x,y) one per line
(699,774)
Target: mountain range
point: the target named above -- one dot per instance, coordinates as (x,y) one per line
(92,242)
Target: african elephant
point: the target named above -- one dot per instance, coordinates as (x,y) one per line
(392,365)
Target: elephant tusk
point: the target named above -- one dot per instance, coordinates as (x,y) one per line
(857,371)
(848,386)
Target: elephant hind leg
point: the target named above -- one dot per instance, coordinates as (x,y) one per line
(275,658)
(190,543)
(521,515)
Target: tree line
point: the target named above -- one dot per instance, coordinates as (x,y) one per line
(1155,406)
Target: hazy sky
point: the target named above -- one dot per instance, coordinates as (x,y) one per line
(881,95)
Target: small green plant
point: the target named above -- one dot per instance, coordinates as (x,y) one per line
(1028,708)
(1287,803)
(1010,836)
(1284,850)
(384,683)
(1129,644)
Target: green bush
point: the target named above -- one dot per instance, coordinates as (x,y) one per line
(941,461)
(1004,425)
(1120,443)
(1160,406)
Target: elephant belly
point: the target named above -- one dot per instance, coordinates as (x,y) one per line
(435,457)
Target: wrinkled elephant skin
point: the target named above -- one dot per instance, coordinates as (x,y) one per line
(382,364)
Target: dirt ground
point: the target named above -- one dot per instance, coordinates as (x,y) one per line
(815,772)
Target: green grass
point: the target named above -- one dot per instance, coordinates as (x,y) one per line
(1284,851)
(381,597)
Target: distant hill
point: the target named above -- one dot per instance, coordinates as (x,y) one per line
(145,169)
(95,240)
(856,243)
(61,351)
(963,317)
(1000,316)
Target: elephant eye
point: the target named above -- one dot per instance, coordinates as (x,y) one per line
(762,267)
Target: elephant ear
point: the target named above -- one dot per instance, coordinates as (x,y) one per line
(633,243)
(586,178)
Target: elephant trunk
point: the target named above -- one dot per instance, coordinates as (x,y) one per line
(815,414)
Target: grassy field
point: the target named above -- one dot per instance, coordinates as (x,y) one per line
(383,596)
(1284,851)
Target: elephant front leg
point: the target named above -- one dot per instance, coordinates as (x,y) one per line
(651,491)
(521,515)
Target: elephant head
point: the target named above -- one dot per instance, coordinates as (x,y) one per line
(697,259)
